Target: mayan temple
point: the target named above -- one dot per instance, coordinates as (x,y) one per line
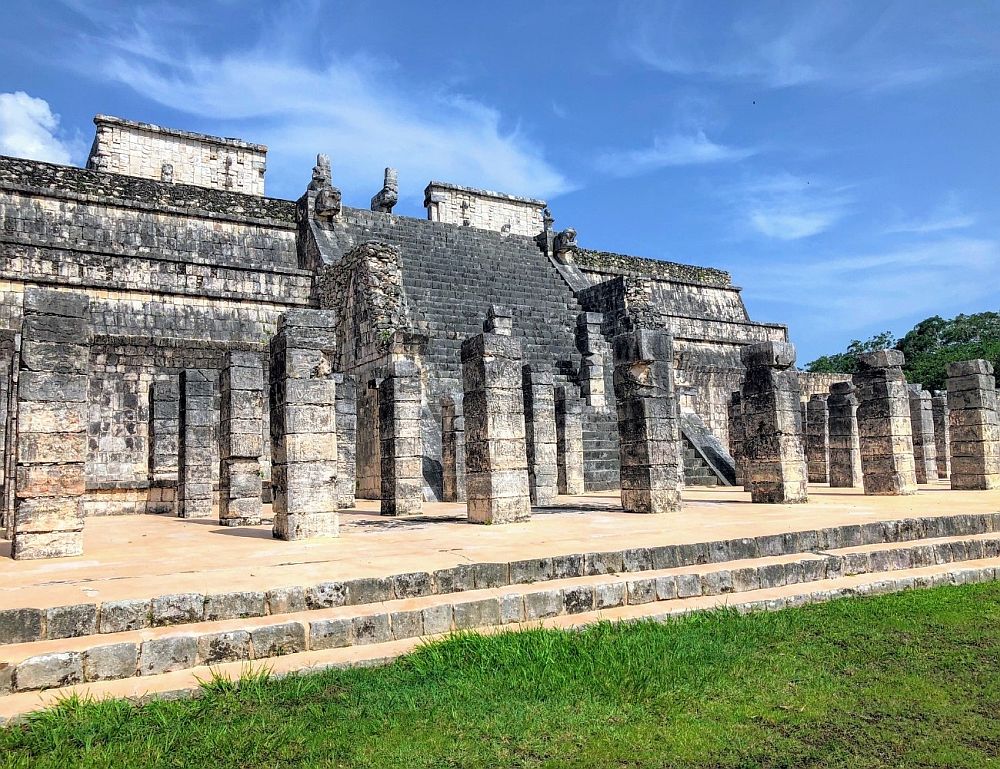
(237,427)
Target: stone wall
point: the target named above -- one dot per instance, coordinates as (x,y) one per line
(483,209)
(166,154)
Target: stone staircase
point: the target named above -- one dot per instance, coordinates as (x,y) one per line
(697,472)
(167,642)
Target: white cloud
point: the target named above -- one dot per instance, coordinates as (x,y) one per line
(677,150)
(789,207)
(857,291)
(948,216)
(360,111)
(861,47)
(29,129)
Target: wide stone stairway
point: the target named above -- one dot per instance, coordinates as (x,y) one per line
(167,643)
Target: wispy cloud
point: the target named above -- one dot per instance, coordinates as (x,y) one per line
(356,108)
(676,150)
(29,129)
(859,47)
(948,216)
(857,291)
(789,207)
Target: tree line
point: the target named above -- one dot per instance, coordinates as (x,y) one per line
(928,347)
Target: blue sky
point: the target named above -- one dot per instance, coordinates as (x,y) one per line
(841,160)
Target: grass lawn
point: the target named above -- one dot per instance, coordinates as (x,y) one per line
(906,680)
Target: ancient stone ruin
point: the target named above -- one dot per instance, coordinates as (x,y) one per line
(175,342)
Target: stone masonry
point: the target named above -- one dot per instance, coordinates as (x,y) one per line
(737,437)
(164,443)
(540,435)
(198,457)
(569,442)
(51,423)
(242,444)
(496,462)
(845,444)
(942,432)
(818,439)
(884,424)
(399,439)
(347,439)
(922,427)
(303,426)
(592,348)
(648,422)
(975,428)
(776,462)
(453,448)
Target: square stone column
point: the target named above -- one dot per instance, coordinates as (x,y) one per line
(737,436)
(496,461)
(942,439)
(845,443)
(164,443)
(199,448)
(591,344)
(975,430)
(569,441)
(772,410)
(51,441)
(648,422)
(818,439)
(452,448)
(884,424)
(540,434)
(242,444)
(401,457)
(347,439)
(922,428)
(303,426)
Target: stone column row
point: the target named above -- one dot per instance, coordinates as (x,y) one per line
(884,424)
(845,443)
(303,431)
(817,428)
(775,459)
(242,440)
(51,442)
(648,422)
(974,425)
(496,464)
(540,435)
(922,427)
(401,446)
(452,448)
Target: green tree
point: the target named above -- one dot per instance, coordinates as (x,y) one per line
(846,362)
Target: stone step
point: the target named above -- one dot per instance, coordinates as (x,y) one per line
(25,620)
(187,681)
(152,651)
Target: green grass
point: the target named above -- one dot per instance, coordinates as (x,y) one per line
(906,680)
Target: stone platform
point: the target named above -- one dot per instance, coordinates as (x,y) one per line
(158,602)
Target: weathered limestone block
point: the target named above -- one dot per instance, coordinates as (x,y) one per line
(401,459)
(540,435)
(845,443)
(974,425)
(818,438)
(648,422)
(922,428)
(242,444)
(737,435)
(199,445)
(590,342)
(775,457)
(884,424)
(347,439)
(303,426)
(51,445)
(942,432)
(569,441)
(496,462)
(452,448)
(164,441)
